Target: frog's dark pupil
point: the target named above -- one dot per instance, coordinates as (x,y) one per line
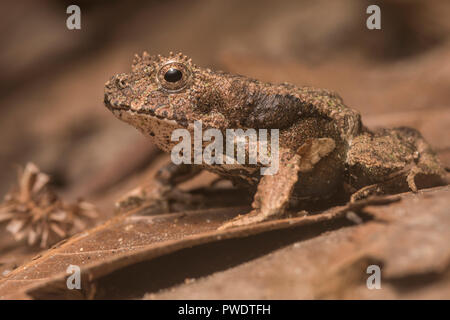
(173,75)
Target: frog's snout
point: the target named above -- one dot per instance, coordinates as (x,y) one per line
(117,89)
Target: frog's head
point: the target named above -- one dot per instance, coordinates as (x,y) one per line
(172,92)
(156,86)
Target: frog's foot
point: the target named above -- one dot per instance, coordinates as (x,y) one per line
(274,191)
(427,173)
(160,198)
(134,198)
(163,195)
(256,216)
(178,200)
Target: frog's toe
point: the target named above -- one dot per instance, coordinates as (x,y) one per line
(410,178)
(367,191)
(132,199)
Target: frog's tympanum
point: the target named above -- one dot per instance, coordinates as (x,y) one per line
(323,147)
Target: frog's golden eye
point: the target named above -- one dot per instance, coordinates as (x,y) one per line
(173,76)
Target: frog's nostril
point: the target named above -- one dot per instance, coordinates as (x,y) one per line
(121,83)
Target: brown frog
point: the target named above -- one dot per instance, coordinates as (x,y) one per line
(323,147)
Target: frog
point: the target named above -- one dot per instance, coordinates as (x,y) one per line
(323,147)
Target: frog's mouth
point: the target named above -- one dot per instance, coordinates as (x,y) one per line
(160,113)
(114,106)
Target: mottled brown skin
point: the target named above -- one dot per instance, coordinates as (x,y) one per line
(324,148)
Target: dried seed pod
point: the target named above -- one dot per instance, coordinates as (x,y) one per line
(33,211)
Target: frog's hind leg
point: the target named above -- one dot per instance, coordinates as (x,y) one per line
(393,183)
(392,161)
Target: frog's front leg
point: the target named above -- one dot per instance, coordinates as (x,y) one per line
(162,191)
(274,191)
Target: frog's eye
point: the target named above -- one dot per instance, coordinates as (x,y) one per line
(173,76)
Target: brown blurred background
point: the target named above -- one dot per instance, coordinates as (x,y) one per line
(51,79)
(52,114)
